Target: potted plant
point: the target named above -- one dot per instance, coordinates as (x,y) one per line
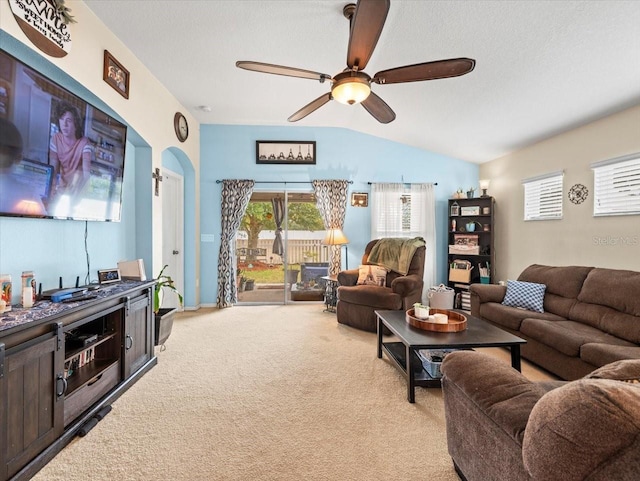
(470,192)
(163,316)
(420,311)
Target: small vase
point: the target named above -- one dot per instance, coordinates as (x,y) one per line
(469,194)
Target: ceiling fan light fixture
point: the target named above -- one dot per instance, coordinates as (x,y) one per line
(351,87)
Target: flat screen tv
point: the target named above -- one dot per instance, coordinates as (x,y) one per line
(60,157)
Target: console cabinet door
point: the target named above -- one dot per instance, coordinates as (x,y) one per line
(31,393)
(138,334)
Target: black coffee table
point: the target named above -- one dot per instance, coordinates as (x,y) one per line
(479,333)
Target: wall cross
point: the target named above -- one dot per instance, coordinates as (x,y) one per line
(158,178)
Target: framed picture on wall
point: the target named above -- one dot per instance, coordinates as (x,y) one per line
(115,75)
(285,152)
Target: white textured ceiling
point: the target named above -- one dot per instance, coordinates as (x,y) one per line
(542,67)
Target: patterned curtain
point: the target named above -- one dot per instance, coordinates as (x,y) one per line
(331,200)
(277,203)
(235,198)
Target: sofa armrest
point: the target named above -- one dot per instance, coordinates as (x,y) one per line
(587,428)
(348,278)
(405,285)
(481,293)
(501,394)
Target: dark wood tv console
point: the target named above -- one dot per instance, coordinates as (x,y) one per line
(60,364)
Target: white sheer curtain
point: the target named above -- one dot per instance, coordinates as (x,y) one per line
(407,210)
(386,210)
(423,216)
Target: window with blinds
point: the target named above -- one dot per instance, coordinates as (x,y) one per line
(616,186)
(543,197)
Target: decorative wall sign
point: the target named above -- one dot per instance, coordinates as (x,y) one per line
(285,152)
(578,193)
(115,75)
(45,23)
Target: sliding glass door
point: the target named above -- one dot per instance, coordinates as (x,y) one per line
(279,250)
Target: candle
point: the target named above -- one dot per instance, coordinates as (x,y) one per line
(27,297)
(440,318)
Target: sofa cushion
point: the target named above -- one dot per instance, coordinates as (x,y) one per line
(598,354)
(500,392)
(373,296)
(511,317)
(607,319)
(627,370)
(372,275)
(525,295)
(586,429)
(563,285)
(562,281)
(617,289)
(565,336)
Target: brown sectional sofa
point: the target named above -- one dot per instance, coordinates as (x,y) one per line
(503,427)
(591,317)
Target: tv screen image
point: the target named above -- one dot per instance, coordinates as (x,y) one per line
(60,157)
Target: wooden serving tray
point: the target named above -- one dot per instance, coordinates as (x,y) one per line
(457,322)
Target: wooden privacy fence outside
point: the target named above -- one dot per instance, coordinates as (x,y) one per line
(297,251)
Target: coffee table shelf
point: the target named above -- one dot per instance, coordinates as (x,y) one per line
(397,353)
(403,354)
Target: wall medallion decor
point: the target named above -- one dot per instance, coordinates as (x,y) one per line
(578,193)
(285,152)
(115,75)
(45,23)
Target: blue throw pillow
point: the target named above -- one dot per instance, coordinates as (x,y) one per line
(526,295)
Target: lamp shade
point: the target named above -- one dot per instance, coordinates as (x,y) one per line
(484,184)
(335,237)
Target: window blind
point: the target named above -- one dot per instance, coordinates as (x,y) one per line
(616,186)
(543,197)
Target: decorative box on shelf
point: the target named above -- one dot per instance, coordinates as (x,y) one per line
(470,210)
(464,249)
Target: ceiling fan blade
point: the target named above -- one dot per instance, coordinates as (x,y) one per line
(310,107)
(366,26)
(282,70)
(425,71)
(379,109)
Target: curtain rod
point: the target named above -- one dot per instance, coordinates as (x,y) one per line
(434,183)
(281,181)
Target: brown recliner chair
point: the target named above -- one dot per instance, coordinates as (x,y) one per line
(357,303)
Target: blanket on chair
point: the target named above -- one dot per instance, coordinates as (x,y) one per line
(395,253)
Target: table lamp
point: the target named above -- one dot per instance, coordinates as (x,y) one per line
(335,237)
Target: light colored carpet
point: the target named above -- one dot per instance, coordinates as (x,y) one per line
(265,393)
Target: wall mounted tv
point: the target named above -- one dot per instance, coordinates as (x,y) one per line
(60,157)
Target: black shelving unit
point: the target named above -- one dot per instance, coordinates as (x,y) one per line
(471,230)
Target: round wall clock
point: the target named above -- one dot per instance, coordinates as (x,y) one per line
(181,127)
(578,193)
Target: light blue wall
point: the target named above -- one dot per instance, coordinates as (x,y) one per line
(228,152)
(54,248)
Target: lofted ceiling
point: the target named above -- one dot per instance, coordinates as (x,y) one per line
(542,67)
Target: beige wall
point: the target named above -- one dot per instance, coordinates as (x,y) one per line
(149,110)
(578,238)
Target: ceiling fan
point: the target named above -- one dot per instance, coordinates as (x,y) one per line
(353,85)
